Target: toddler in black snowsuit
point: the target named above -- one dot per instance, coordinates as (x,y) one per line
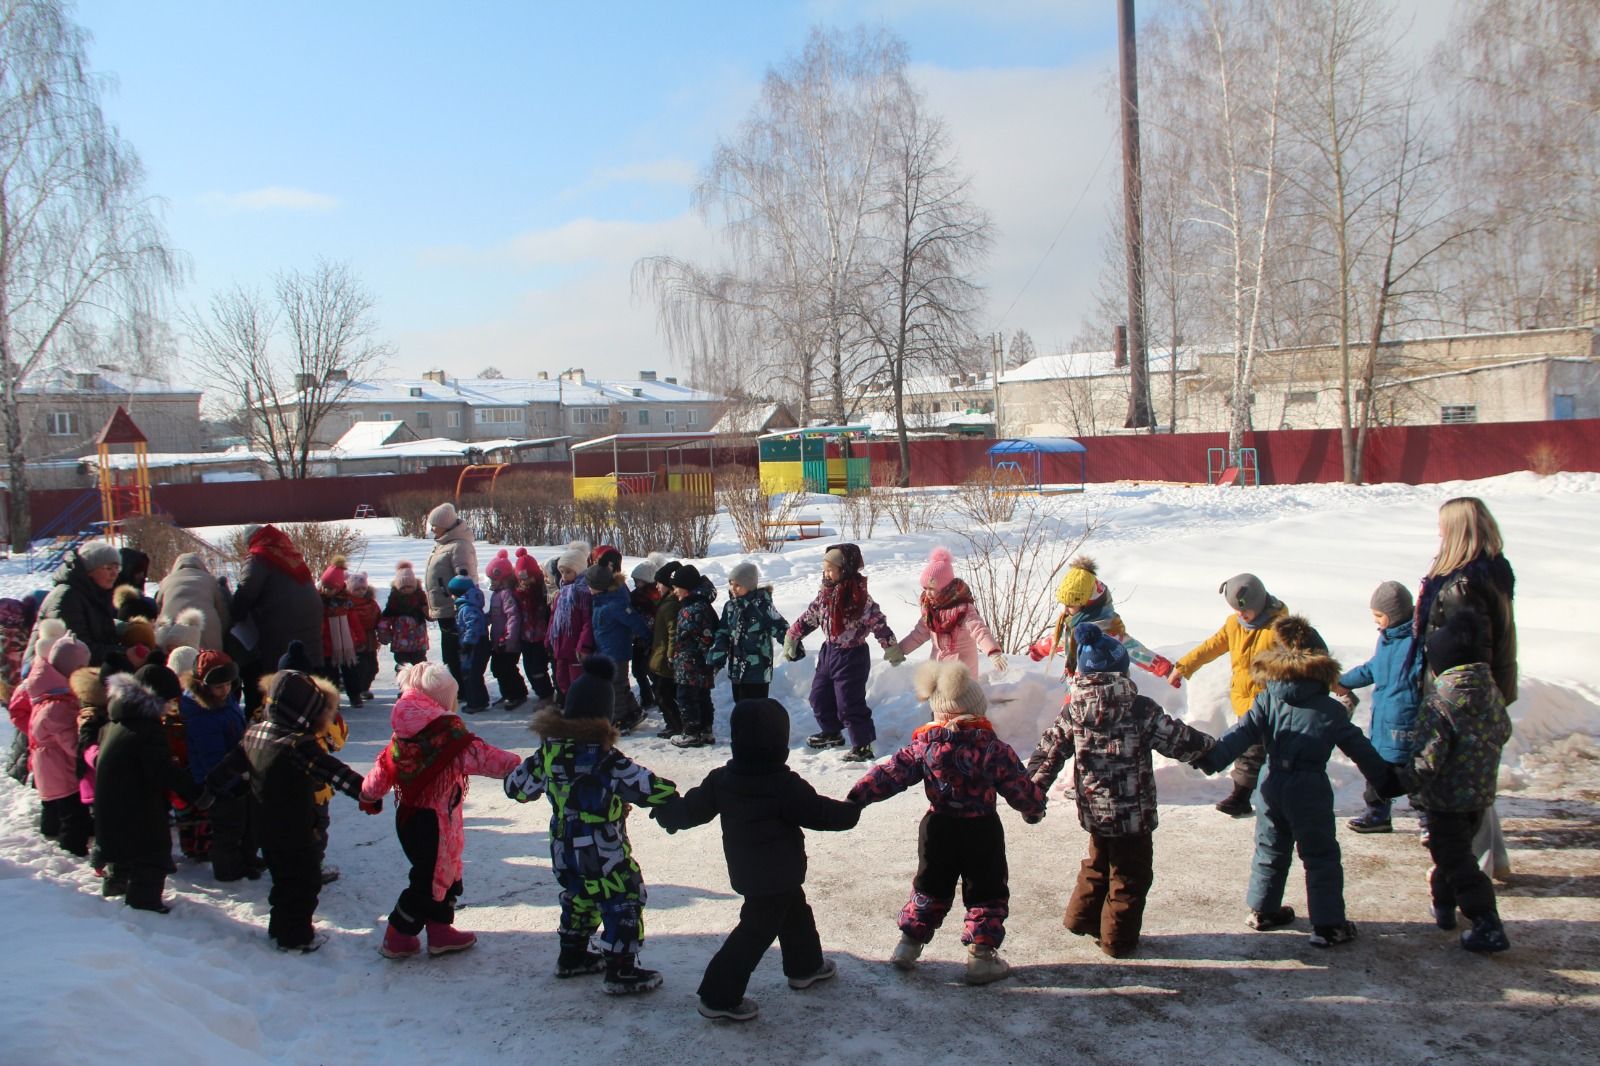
(764,806)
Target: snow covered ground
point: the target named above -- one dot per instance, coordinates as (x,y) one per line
(84,977)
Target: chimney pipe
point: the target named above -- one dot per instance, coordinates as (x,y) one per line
(1119,345)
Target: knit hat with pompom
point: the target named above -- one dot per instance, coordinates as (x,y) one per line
(940,571)
(526,565)
(499,568)
(334,576)
(433,680)
(1099,652)
(1080,585)
(405,575)
(359,583)
(949,691)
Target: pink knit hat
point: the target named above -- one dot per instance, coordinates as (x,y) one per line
(358,581)
(940,570)
(334,576)
(499,568)
(526,565)
(404,576)
(432,680)
(67,654)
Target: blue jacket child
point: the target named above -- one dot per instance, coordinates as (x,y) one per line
(615,624)
(472,630)
(213,725)
(1396,693)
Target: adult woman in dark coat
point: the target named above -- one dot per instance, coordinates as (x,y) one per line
(1471,573)
(276,595)
(81,598)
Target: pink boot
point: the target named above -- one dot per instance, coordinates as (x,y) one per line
(443,939)
(397,945)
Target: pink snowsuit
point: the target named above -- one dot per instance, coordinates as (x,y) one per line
(966,640)
(445,795)
(52,732)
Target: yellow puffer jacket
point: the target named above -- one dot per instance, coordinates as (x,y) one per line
(332,739)
(1243,645)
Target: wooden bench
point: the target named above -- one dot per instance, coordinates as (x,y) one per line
(804,528)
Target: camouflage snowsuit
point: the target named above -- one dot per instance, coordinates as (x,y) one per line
(590,784)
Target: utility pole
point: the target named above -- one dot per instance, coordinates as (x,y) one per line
(996,348)
(1140,415)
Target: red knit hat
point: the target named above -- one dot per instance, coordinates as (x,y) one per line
(334,576)
(499,568)
(526,565)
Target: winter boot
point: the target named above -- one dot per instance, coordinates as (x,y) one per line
(691,740)
(906,953)
(1326,936)
(576,959)
(398,945)
(1444,916)
(1371,822)
(310,946)
(1237,805)
(1487,935)
(859,753)
(742,1012)
(984,965)
(827,971)
(630,720)
(825,740)
(444,938)
(112,887)
(330,874)
(1264,920)
(624,977)
(515,702)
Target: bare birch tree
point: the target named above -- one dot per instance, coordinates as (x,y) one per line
(81,245)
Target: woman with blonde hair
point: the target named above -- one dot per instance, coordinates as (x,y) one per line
(1470,573)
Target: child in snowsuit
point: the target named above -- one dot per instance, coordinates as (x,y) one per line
(1247,633)
(364,607)
(284,764)
(505,632)
(472,631)
(645,596)
(1085,598)
(662,638)
(342,637)
(16,622)
(134,776)
(404,622)
(591,785)
(616,626)
(1461,728)
(428,763)
(213,724)
(1109,730)
(951,619)
(764,805)
(962,765)
(570,635)
(693,674)
(1299,724)
(53,733)
(1395,676)
(750,625)
(92,722)
(533,604)
(846,613)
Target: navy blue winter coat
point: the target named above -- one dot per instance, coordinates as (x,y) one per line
(1396,692)
(615,624)
(210,731)
(472,624)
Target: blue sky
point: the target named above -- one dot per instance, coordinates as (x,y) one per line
(492,170)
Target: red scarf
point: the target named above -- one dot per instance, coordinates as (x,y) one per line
(942,611)
(845,598)
(418,761)
(272,546)
(960,722)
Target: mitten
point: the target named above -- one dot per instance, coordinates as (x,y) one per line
(1033,819)
(893,655)
(998,661)
(1392,785)
(372,806)
(1162,666)
(1042,649)
(793,650)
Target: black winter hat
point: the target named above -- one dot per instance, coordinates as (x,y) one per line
(686,577)
(1464,638)
(665,571)
(590,695)
(600,577)
(295,658)
(611,559)
(296,699)
(759,732)
(160,680)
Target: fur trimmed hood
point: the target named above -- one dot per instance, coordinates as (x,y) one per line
(1279,663)
(302,712)
(131,701)
(549,724)
(87,686)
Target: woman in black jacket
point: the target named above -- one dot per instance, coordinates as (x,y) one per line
(81,598)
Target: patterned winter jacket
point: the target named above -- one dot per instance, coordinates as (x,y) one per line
(505,620)
(750,623)
(1110,729)
(1102,611)
(853,632)
(695,633)
(1461,728)
(1396,691)
(616,625)
(962,765)
(534,607)
(1242,643)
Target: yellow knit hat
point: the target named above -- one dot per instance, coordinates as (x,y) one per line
(1077,587)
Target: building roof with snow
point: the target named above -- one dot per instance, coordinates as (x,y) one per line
(364,436)
(570,391)
(1093,365)
(103,380)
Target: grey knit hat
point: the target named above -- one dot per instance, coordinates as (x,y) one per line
(98,553)
(1245,592)
(746,575)
(1393,601)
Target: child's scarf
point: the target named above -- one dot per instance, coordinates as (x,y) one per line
(417,762)
(960,721)
(943,610)
(844,599)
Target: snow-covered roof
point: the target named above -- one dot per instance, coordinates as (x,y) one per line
(102,381)
(1092,365)
(369,434)
(510,392)
(159,460)
(884,422)
(748,419)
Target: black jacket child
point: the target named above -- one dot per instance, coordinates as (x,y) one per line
(135,774)
(284,766)
(764,806)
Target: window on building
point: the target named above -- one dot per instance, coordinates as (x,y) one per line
(580,416)
(694,418)
(1458,414)
(63,424)
(424,420)
(1564,407)
(387,416)
(539,418)
(1302,397)
(453,419)
(644,417)
(669,417)
(497,415)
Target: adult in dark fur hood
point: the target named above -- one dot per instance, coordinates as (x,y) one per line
(133,775)
(1299,724)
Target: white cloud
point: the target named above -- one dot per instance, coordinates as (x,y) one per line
(652,172)
(271,198)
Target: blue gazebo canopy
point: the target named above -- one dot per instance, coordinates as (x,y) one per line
(1011,453)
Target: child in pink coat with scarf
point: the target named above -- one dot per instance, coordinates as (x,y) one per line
(53,734)
(951,619)
(427,763)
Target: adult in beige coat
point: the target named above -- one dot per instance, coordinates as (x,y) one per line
(453,552)
(190,584)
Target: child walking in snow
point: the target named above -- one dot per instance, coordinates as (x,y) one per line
(341,632)
(616,626)
(1246,634)
(505,632)
(962,765)
(1395,676)
(472,631)
(662,638)
(570,636)
(764,805)
(53,733)
(367,613)
(1085,598)
(428,763)
(1109,730)
(1298,724)
(750,625)
(404,624)
(1461,728)
(846,613)
(693,673)
(213,725)
(590,786)
(951,619)
(533,604)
